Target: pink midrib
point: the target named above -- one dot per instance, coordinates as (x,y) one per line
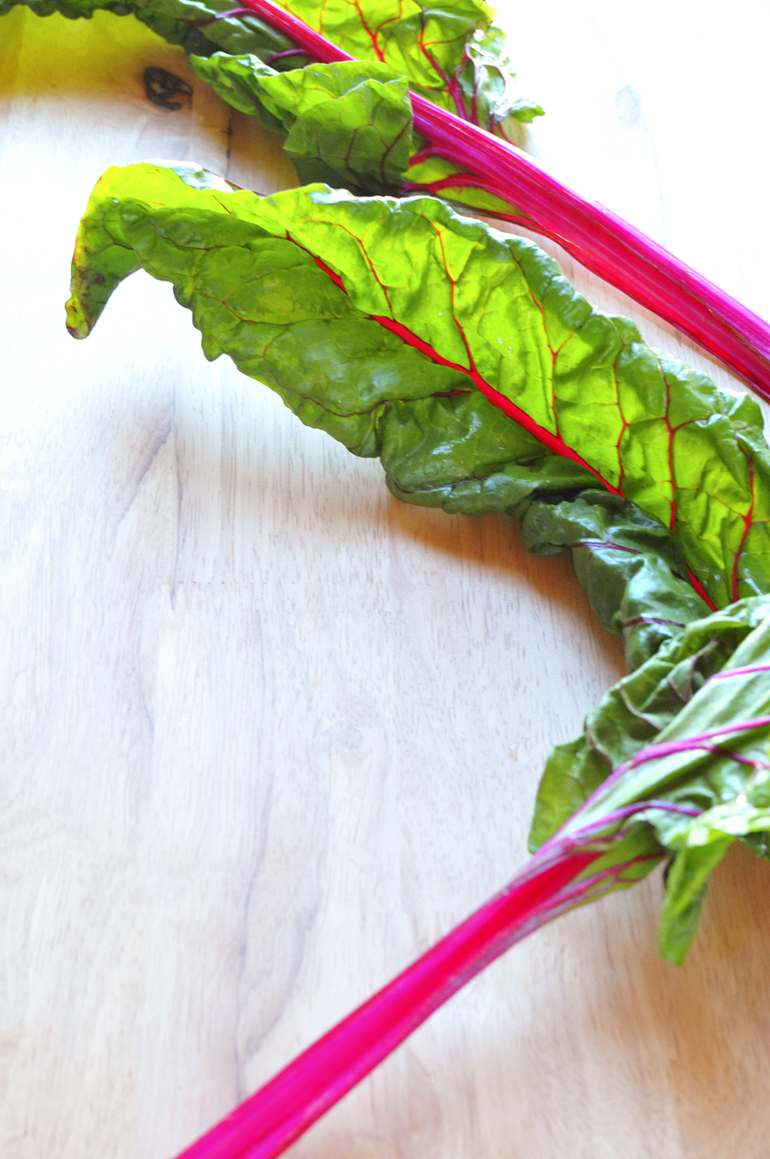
(600,240)
(553,442)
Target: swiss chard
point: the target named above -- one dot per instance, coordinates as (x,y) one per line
(633,713)
(465,361)
(417,336)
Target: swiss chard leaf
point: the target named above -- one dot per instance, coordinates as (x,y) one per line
(453,54)
(310,291)
(681,746)
(452,448)
(417,294)
(346,123)
(632,713)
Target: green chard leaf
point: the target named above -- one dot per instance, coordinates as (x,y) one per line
(452,54)
(349,124)
(346,123)
(395,326)
(679,748)
(633,713)
(345,305)
(454,449)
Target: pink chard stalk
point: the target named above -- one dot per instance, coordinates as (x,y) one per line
(562,875)
(605,845)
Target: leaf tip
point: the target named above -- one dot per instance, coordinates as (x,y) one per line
(78,325)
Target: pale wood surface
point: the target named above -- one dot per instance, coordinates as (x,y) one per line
(268,733)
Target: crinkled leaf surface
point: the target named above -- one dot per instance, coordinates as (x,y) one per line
(629,565)
(239,80)
(450,300)
(349,124)
(449,447)
(346,123)
(452,53)
(359,136)
(633,713)
(683,742)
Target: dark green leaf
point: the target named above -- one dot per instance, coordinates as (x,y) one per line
(698,782)
(349,124)
(630,566)
(633,713)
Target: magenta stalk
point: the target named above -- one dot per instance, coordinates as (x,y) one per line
(269,1121)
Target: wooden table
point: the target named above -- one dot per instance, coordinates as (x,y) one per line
(266,732)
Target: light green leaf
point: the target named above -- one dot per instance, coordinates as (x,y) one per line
(686,885)
(442,444)
(469,305)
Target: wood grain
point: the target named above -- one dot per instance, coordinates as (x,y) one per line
(268,733)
